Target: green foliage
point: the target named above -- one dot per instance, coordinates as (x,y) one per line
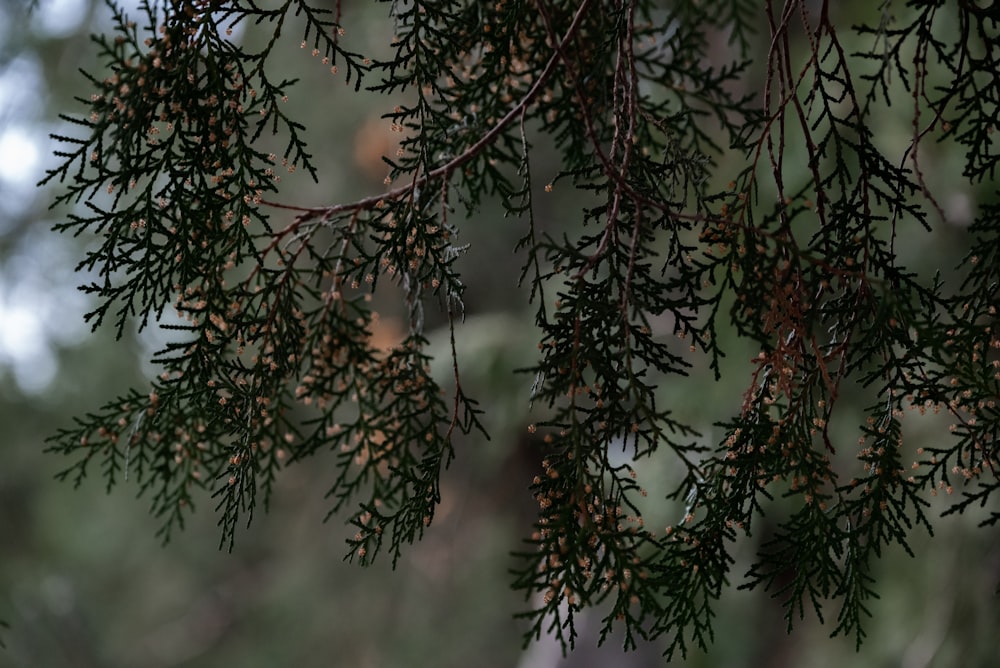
(706,206)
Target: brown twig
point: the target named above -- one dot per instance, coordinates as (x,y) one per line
(446,170)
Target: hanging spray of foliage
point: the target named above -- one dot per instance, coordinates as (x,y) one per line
(275,361)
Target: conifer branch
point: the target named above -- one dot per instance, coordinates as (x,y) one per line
(445,171)
(664,262)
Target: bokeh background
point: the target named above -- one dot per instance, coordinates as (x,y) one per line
(85,582)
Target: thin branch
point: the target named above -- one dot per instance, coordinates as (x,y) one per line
(446,170)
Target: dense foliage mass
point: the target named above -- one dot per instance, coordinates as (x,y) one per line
(708,201)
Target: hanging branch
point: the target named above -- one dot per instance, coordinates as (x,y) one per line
(710,206)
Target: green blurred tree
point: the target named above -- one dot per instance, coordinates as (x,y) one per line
(703,210)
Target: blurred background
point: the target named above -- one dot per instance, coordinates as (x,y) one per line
(84,581)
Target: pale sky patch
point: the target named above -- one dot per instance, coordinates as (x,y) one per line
(59,18)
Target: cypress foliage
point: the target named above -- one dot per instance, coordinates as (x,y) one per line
(693,214)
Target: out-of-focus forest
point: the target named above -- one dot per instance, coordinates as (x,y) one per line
(84,580)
